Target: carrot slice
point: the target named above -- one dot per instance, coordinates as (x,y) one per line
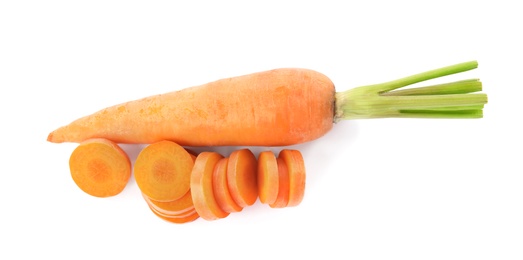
(296,170)
(176,219)
(267,177)
(175,207)
(202,186)
(163,171)
(283,185)
(221,188)
(242,177)
(100,168)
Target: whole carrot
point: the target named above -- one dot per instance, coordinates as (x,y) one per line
(273,108)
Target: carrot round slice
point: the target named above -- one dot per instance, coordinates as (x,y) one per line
(242,177)
(175,207)
(221,188)
(100,168)
(283,185)
(163,171)
(267,177)
(296,169)
(202,186)
(176,219)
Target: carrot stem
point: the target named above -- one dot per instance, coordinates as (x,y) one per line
(448,100)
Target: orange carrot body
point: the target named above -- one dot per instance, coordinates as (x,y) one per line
(272,108)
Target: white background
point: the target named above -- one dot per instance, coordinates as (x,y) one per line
(376,189)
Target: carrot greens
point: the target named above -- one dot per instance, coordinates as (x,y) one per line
(448,100)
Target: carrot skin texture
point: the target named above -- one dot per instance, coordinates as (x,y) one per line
(271,108)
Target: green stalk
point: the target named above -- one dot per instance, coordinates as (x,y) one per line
(448,100)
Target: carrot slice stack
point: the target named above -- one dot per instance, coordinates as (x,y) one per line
(100,168)
(178,219)
(175,207)
(163,171)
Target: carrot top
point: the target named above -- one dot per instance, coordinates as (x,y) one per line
(449,100)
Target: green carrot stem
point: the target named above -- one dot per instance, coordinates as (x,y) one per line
(477,113)
(458,87)
(448,100)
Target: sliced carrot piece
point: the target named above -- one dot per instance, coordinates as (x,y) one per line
(283,185)
(202,186)
(296,169)
(175,207)
(221,188)
(163,171)
(100,168)
(176,219)
(182,215)
(267,177)
(242,177)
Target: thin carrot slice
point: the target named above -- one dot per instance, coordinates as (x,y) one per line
(163,171)
(175,207)
(267,177)
(176,219)
(221,188)
(296,169)
(202,187)
(182,215)
(100,168)
(242,177)
(283,188)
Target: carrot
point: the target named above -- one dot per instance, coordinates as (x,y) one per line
(188,217)
(242,177)
(296,171)
(221,188)
(202,187)
(175,207)
(283,185)
(163,171)
(267,177)
(273,108)
(100,168)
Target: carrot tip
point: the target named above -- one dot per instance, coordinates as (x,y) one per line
(50,137)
